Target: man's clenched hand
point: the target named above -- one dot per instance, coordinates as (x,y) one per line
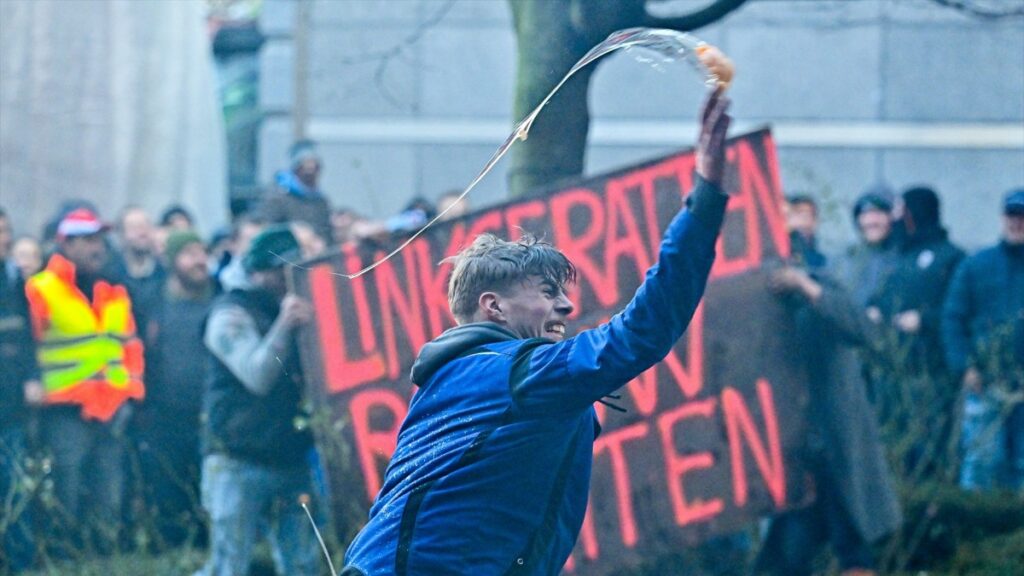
(295,311)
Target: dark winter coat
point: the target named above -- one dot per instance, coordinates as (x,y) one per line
(492,469)
(17,348)
(841,419)
(176,361)
(919,282)
(290,201)
(984,309)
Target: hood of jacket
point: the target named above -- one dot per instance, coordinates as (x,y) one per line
(923,237)
(453,342)
(233,276)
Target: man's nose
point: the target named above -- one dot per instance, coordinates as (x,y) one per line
(564,305)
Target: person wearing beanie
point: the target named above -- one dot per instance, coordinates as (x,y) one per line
(91,363)
(983,334)
(178,241)
(908,311)
(167,424)
(297,195)
(878,197)
(256,458)
(865,265)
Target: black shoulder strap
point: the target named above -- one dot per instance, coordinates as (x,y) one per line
(521,364)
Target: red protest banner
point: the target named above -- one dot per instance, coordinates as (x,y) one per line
(713,434)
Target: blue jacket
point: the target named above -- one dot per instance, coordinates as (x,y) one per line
(492,469)
(985,303)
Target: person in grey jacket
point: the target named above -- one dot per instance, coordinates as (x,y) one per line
(856,502)
(257,460)
(983,336)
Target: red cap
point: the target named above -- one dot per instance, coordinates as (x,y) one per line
(81,222)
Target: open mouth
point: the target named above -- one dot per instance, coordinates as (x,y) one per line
(556,328)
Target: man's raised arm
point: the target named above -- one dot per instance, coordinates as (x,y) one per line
(576,372)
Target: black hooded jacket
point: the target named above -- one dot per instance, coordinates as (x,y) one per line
(925,266)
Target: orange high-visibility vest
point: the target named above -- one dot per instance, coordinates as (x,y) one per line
(88,353)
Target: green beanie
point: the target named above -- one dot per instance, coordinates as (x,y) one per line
(273,247)
(177,242)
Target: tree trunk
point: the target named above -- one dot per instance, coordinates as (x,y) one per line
(552,35)
(548,46)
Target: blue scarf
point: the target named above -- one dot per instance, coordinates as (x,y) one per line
(292,185)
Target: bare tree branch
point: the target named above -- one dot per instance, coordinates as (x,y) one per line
(694,20)
(386,56)
(410,40)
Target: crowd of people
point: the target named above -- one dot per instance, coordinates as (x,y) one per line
(146,366)
(938,342)
(953,320)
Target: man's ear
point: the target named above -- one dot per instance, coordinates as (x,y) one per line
(490,306)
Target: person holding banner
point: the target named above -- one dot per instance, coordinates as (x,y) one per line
(257,458)
(492,468)
(855,498)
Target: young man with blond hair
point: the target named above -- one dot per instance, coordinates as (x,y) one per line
(492,469)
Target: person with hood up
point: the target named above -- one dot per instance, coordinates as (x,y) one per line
(911,298)
(491,471)
(908,311)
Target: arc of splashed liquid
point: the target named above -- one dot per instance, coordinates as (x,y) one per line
(670,45)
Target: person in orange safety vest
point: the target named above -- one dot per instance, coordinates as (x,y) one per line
(91,364)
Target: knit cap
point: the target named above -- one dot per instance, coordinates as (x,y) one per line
(273,247)
(1013,204)
(177,242)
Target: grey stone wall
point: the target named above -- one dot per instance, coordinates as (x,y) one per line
(857,92)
